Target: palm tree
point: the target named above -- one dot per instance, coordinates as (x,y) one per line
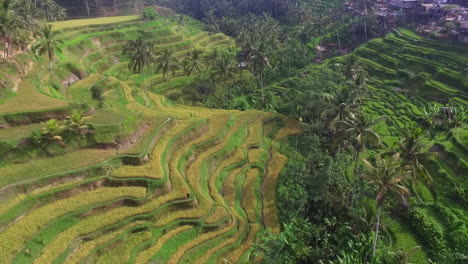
(8,22)
(224,64)
(140,52)
(389,178)
(411,152)
(259,62)
(47,44)
(358,133)
(352,67)
(195,62)
(166,62)
(185,64)
(343,107)
(86,3)
(367,6)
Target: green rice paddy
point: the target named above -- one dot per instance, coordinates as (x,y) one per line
(150,183)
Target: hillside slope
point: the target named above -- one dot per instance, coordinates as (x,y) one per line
(165,183)
(407,74)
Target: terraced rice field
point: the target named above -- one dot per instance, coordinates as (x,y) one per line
(408,72)
(163,184)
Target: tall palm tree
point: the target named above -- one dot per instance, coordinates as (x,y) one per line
(195,62)
(343,106)
(389,178)
(141,54)
(224,65)
(259,62)
(352,67)
(367,7)
(47,44)
(185,64)
(166,62)
(8,22)
(358,133)
(411,152)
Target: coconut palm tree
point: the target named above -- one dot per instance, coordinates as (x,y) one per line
(8,22)
(185,64)
(388,176)
(367,7)
(343,106)
(411,151)
(259,62)
(141,54)
(140,51)
(224,64)
(47,44)
(352,67)
(166,62)
(196,64)
(358,133)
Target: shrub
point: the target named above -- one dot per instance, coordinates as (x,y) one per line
(430,231)
(149,14)
(97,93)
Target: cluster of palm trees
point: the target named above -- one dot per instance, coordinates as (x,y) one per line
(392,172)
(145,58)
(21,19)
(143,55)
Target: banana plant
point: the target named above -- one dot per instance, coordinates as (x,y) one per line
(76,123)
(52,132)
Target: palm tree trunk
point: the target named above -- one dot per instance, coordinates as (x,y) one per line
(146,92)
(365,18)
(353,187)
(356,156)
(377,227)
(365,25)
(261,85)
(87,7)
(5,51)
(51,70)
(339,41)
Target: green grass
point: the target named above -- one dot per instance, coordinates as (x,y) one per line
(404,239)
(18,132)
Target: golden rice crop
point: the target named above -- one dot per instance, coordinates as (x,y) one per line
(85,249)
(290,127)
(199,240)
(229,188)
(92,21)
(145,256)
(249,199)
(97,222)
(236,254)
(217,215)
(206,256)
(13,237)
(269,189)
